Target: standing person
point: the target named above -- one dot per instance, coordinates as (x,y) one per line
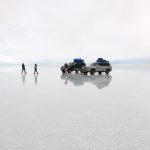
(23,68)
(35,69)
(66,67)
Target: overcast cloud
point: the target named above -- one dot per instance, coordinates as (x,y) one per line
(39,30)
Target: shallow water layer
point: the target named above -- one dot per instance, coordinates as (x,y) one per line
(52,111)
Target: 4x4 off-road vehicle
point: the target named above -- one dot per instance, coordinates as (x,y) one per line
(76,66)
(101,65)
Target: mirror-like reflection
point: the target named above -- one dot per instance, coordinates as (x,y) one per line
(100,81)
(35,79)
(23,78)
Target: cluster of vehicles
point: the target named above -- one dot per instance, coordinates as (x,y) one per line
(78,65)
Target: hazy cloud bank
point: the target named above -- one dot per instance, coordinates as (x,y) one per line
(42,30)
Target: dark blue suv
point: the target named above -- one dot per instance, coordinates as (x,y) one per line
(76,66)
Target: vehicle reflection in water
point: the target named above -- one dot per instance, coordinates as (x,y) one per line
(100,81)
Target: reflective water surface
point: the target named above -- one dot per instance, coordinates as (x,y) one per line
(52,111)
(100,81)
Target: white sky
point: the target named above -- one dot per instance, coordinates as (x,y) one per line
(38,30)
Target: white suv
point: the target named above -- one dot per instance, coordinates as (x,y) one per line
(97,67)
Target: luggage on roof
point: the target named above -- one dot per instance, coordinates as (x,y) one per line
(78,60)
(101,60)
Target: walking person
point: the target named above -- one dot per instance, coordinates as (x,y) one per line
(35,69)
(23,68)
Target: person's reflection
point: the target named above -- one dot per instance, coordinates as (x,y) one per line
(65,77)
(35,79)
(23,78)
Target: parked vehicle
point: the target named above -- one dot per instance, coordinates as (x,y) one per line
(99,66)
(76,66)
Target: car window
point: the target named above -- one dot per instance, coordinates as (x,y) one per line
(93,64)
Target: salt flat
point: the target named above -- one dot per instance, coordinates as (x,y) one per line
(52,111)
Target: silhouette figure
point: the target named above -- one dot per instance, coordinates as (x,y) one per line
(23,68)
(35,69)
(66,67)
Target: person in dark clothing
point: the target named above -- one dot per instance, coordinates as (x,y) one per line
(35,69)
(66,67)
(23,68)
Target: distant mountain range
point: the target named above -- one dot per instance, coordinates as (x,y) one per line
(128,61)
(113,61)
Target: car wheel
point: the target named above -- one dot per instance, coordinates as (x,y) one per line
(107,71)
(92,71)
(63,71)
(69,70)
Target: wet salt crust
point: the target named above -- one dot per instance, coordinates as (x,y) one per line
(75,112)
